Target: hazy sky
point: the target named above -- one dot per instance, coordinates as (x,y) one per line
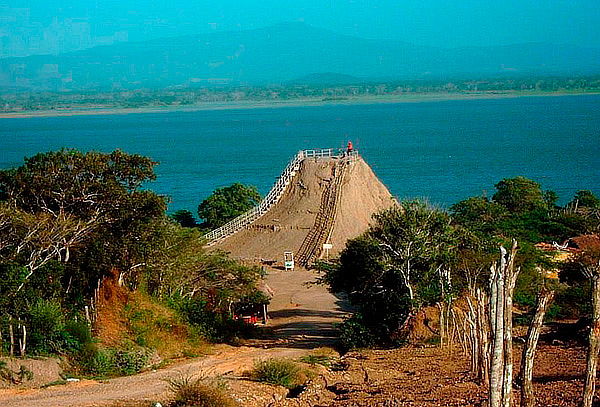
(42,26)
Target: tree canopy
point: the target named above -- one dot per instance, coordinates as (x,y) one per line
(70,219)
(226,203)
(519,194)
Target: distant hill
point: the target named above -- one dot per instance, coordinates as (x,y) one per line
(279,54)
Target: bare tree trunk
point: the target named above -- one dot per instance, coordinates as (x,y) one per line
(12,339)
(497,319)
(442,325)
(594,346)
(510,275)
(23,341)
(533,334)
(483,330)
(502,282)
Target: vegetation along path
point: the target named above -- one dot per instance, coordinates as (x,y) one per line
(302,317)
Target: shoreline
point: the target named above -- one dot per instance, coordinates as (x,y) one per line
(269,104)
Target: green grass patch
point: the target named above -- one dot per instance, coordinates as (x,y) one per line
(280,372)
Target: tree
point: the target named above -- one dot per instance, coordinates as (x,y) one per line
(589,261)
(62,201)
(544,300)
(585,198)
(478,214)
(185,218)
(414,238)
(85,185)
(503,277)
(400,263)
(520,194)
(226,203)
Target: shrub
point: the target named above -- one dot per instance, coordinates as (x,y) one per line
(354,333)
(128,362)
(46,327)
(212,326)
(281,372)
(189,392)
(77,334)
(94,361)
(111,362)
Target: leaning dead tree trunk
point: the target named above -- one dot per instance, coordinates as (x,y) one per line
(526,373)
(503,278)
(594,338)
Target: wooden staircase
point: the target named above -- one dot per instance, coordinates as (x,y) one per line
(320,233)
(276,192)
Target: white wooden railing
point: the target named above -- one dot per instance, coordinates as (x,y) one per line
(274,194)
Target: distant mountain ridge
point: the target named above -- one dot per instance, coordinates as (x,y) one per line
(279,54)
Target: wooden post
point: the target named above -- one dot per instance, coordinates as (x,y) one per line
(594,344)
(526,374)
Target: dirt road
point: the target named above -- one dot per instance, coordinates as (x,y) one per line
(302,316)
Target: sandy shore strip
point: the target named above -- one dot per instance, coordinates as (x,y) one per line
(269,104)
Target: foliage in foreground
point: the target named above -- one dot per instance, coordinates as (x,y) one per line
(69,220)
(415,255)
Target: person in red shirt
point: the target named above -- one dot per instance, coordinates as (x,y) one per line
(350,148)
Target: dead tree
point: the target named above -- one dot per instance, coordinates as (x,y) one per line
(471,328)
(445,305)
(483,333)
(503,278)
(533,333)
(591,268)
(12,339)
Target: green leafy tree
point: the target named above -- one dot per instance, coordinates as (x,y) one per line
(520,194)
(585,198)
(478,214)
(226,203)
(414,239)
(395,267)
(86,185)
(84,209)
(185,218)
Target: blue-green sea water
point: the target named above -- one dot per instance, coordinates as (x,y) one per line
(443,151)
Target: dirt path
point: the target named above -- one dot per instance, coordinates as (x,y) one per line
(302,316)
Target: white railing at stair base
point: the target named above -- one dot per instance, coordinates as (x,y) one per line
(274,194)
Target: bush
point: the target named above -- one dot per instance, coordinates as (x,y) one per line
(190,392)
(94,361)
(281,372)
(212,326)
(128,362)
(354,333)
(46,327)
(77,334)
(111,362)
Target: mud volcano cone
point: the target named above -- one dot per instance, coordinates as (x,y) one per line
(328,201)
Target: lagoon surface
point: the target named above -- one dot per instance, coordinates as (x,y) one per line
(444,151)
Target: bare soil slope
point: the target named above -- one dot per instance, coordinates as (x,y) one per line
(288,223)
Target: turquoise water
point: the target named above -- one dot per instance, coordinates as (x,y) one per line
(442,151)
